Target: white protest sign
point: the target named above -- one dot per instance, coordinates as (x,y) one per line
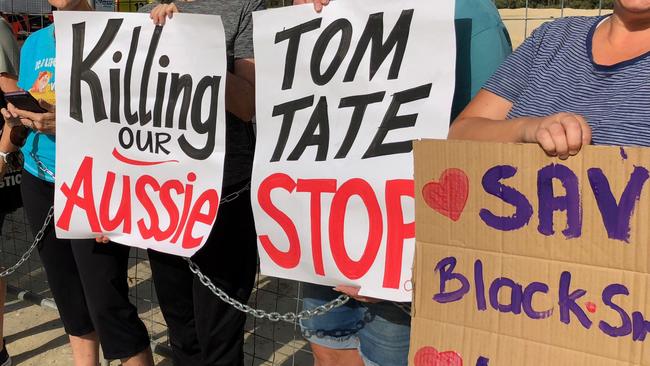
(340,96)
(140,128)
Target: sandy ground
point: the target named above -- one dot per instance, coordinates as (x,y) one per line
(34,335)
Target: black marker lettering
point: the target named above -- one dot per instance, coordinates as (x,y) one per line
(345,28)
(145,116)
(293,35)
(208,126)
(81,69)
(374,32)
(182,84)
(360,104)
(319,120)
(392,121)
(288,111)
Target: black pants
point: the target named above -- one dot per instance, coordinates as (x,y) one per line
(88,280)
(202,329)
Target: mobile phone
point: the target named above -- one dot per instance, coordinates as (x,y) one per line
(25,101)
(3,103)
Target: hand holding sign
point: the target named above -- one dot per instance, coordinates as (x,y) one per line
(353,292)
(318,4)
(561,134)
(161,12)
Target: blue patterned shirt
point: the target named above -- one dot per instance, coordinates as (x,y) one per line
(553,71)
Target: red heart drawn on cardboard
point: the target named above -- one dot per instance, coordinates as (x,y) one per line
(429,356)
(449,195)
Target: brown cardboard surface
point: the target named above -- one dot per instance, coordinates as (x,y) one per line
(524,324)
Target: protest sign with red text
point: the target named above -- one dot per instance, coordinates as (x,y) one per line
(340,96)
(140,128)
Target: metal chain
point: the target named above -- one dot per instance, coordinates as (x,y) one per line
(37,239)
(261,314)
(233,196)
(257,313)
(42,167)
(41,233)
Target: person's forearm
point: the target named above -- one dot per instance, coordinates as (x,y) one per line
(5,142)
(8,83)
(240,97)
(484,129)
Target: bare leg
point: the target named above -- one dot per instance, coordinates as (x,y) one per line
(85,349)
(144,358)
(324,356)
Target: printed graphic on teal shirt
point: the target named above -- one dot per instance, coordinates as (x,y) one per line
(37,64)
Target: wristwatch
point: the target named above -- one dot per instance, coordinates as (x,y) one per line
(13,159)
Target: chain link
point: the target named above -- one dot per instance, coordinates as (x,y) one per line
(257,313)
(37,239)
(233,196)
(41,233)
(261,314)
(42,167)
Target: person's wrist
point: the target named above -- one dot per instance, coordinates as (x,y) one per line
(528,128)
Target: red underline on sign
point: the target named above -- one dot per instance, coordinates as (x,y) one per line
(126,160)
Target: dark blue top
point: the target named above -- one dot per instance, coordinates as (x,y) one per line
(553,71)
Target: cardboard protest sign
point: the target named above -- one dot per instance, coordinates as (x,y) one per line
(523,259)
(340,96)
(140,128)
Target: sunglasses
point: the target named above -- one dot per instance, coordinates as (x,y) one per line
(18,135)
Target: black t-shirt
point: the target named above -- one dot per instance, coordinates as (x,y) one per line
(237,19)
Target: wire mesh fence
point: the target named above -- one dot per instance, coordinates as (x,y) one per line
(267,343)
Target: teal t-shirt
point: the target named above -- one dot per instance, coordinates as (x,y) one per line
(482,44)
(37,64)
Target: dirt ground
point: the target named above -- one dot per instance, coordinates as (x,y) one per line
(35,335)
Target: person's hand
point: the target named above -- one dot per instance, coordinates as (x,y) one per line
(353,292)
(318,4)
(161,12)
(102,239)
(41,122)
(10,121)
(560,135)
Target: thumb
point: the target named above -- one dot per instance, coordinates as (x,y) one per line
(586,130)
(49,107)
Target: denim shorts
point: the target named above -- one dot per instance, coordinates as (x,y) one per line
(381,332)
